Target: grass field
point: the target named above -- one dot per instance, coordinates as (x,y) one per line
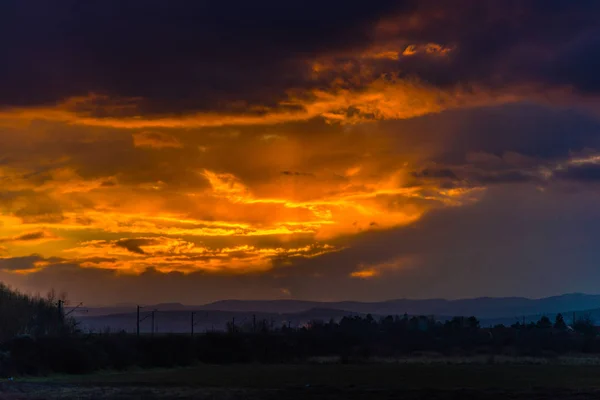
(402,381)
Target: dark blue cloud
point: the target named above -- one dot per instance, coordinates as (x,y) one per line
(187,55)
(585,173)
(176,54)
(539,132)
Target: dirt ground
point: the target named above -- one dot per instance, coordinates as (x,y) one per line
(48,391)
(291,382)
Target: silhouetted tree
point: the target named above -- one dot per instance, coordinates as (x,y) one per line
(559,323)
(585,325)
(544,323)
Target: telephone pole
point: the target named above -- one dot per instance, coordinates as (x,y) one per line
(192,323)
(138,322)
(153,311)
(75,309)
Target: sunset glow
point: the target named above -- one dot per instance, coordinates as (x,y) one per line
(354,155)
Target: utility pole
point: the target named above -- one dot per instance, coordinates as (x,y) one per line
(192,323)
(253,323)
(153,311)
(138,322)
(60,307)
(75,309)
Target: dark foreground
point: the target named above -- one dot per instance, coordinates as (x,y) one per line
(380,381)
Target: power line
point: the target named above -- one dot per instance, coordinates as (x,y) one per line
(143,319)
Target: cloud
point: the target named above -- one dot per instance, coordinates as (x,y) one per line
(296,173)
(202,70)
(435,173)
(156,140)
(381,98)
(583,173)
(326,156)
(366,271)
(405,59)
(30,237)
(26,264)
(506,246)
(134,245)
(167,254)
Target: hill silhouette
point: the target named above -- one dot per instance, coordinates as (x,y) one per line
(483,307)
(175,317)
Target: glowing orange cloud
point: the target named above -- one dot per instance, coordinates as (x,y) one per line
(157,140)
(386,97)
(376,270)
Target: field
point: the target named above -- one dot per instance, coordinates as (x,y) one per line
(329,381)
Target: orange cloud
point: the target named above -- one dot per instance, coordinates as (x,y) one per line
(381,97)
(364,273)
(156,140)
(29,238)
(429,48)
(167,254)
(372,271)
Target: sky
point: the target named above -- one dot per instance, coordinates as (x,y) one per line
(193,151)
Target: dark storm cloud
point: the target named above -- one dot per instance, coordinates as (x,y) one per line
(509,42)
(26,262)
(587,173)
(443,173)
(176,54)
(478,177)
(135,245)
(28,237)
(515,176)
(296,173)
(506,245)
(520,134)
(19,263)
(194,55)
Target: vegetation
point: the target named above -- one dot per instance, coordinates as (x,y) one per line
(352,340)
(34,316)
(303,381)
(37,338)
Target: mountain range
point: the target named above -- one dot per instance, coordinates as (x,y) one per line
(175,317)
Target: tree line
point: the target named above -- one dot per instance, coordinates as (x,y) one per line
(37,338)
(36,316)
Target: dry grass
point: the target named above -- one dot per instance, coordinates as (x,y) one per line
(438,359)
(567,378)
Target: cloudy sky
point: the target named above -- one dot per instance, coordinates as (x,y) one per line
(193,151)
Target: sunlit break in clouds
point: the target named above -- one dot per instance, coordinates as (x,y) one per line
(194,151)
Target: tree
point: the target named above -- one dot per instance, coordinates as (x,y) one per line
(544,323)
(559,323)
(36,316)
(473,323)
(585,325)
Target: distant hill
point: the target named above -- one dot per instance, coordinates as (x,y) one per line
(175,317)
(177,321)
(569,317)
(484,307)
